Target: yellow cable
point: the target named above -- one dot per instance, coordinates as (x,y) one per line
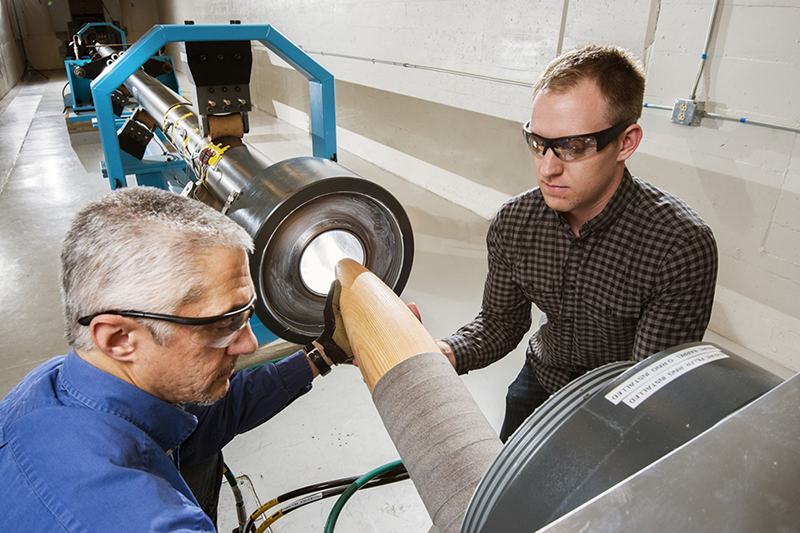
(173,106)
(272,503)
(269,521)
(218,151)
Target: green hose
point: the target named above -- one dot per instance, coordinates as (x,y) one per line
(241,512)
(229,477)
(357,484)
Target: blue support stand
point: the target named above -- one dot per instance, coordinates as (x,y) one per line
(320,81)
(86,27)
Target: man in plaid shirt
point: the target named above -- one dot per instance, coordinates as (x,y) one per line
(620,268)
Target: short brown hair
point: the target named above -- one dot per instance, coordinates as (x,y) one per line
(619,76)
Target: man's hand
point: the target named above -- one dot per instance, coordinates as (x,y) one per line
(445,348)
(334,339)
(415,310)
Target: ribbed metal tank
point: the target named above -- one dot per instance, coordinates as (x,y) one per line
(606,426)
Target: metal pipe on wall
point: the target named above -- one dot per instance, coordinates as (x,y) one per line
(704,55)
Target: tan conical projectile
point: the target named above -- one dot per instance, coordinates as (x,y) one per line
(439,431)
(381,328)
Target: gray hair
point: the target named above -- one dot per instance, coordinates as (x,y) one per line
(139,248)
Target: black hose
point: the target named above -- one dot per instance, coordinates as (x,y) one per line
(319,491)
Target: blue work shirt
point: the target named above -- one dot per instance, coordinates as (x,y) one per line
(81,450)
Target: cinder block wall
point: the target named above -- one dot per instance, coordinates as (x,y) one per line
(43,48)
(459,136)
(12,64)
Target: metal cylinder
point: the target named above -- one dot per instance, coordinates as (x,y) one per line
(304,214)
(606,426)
(175,116)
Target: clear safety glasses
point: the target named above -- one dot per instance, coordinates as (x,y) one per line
(212,331)
(573,147)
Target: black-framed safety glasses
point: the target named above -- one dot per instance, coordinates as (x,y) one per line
(573,147)
(212,331)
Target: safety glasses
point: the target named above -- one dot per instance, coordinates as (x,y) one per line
(573,147)
(212,331)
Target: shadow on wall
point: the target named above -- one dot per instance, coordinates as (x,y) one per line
(742,214)
(490,151)
(487,150)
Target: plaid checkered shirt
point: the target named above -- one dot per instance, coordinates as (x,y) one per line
(640,278)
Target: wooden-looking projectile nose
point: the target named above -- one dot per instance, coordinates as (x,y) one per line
(381,328)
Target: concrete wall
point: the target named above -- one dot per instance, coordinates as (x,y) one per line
(45,26)
(12,64)
(138,17)
(42,46)
(744,180)
(459,136)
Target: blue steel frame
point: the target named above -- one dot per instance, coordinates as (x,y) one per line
(79,88)
(320,82)
(96,24)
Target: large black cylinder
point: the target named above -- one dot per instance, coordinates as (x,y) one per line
(605,427)
(305,214)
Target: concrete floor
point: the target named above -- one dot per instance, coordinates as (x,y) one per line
(333,432)
(46,175)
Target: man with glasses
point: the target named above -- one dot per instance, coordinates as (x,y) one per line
(157,300)
(620,269)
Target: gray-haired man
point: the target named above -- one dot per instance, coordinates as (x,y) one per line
(157,297)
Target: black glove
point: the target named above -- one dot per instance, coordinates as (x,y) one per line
(333,339)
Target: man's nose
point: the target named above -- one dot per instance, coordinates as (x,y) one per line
(550,164)
(244,343)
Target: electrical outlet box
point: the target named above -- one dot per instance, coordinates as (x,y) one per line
(688,112)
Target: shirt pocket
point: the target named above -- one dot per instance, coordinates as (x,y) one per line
(613,317)
(543,293)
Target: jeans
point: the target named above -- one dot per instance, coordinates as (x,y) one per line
(525,394)
(205,482)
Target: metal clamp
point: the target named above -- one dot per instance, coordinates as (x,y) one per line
(232,197)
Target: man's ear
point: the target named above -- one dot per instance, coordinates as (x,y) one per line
(117,336)
(630,142)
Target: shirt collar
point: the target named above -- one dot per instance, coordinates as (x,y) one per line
(168,425)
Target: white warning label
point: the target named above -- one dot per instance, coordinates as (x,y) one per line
(642,385)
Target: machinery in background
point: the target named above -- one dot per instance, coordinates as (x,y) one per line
(83,64)
(304,214)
